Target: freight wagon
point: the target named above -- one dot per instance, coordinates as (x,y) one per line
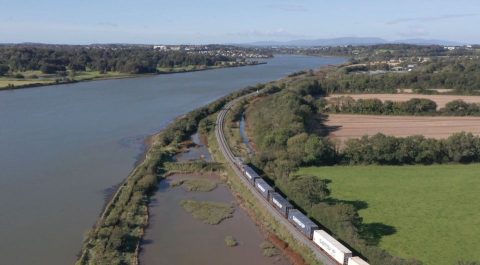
(281,204)
(262,186)
(250,174)
(302,223)
(331,246)
(356,261)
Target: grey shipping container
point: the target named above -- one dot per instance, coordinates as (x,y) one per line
(303,223)
(280,203)
(250,174)
(262,186)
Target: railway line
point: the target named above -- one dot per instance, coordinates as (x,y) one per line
(230,157)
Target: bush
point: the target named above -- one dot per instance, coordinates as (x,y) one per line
(230,241)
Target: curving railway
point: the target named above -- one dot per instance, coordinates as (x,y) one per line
(322,256)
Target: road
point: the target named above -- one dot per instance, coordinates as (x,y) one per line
(229,156)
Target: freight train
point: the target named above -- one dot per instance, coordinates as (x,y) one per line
(307,227)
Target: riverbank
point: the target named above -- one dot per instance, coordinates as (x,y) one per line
(9,83)
(117,235)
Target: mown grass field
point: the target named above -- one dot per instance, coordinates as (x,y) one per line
(435,210)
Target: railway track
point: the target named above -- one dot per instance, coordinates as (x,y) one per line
(230,157)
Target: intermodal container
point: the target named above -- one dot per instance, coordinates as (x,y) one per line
(280,203)
(250,174)
(262,186)
(303,223)
(356,261)
(331,246)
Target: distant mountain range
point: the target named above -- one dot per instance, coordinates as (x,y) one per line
(356,41)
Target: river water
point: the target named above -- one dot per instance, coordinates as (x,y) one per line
(175,237)
(63,147)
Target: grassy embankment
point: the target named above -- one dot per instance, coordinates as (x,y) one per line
(255,209)
(432,209)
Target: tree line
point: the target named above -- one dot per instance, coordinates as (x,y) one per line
(129,59)
(414,106)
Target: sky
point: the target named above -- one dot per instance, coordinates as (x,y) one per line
(228,21)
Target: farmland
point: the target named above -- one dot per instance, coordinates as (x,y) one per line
(441,100)
(431,209)
(345,126)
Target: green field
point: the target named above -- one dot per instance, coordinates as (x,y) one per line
(435,210)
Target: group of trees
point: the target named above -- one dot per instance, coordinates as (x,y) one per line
(389,150)
(414,106)
(125,59)
(4,69)
(345,104)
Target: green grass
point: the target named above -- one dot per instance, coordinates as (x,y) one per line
(211,213)
(435,210)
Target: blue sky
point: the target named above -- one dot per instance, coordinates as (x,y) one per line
(228,21)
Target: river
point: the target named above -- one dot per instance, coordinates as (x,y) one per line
(62,148)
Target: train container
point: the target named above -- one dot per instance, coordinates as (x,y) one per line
(356,261)
(331,246)
(280,203)
(303,223)
(262,186)
(239,164)
(250,174)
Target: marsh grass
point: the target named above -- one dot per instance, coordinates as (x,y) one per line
(269,250)
(208,212)
(230,241)
(201,185)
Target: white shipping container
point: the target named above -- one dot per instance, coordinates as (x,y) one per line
(331,246)
(357,261)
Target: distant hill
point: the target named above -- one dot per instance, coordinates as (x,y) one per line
(429,42)
(356,41)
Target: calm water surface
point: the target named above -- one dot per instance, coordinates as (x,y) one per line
(175,237)
(62,147)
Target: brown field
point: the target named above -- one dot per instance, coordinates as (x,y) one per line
(345,126)
(441,100)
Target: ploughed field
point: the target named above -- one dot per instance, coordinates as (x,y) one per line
(430,213)
(345,126)
(441,100)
